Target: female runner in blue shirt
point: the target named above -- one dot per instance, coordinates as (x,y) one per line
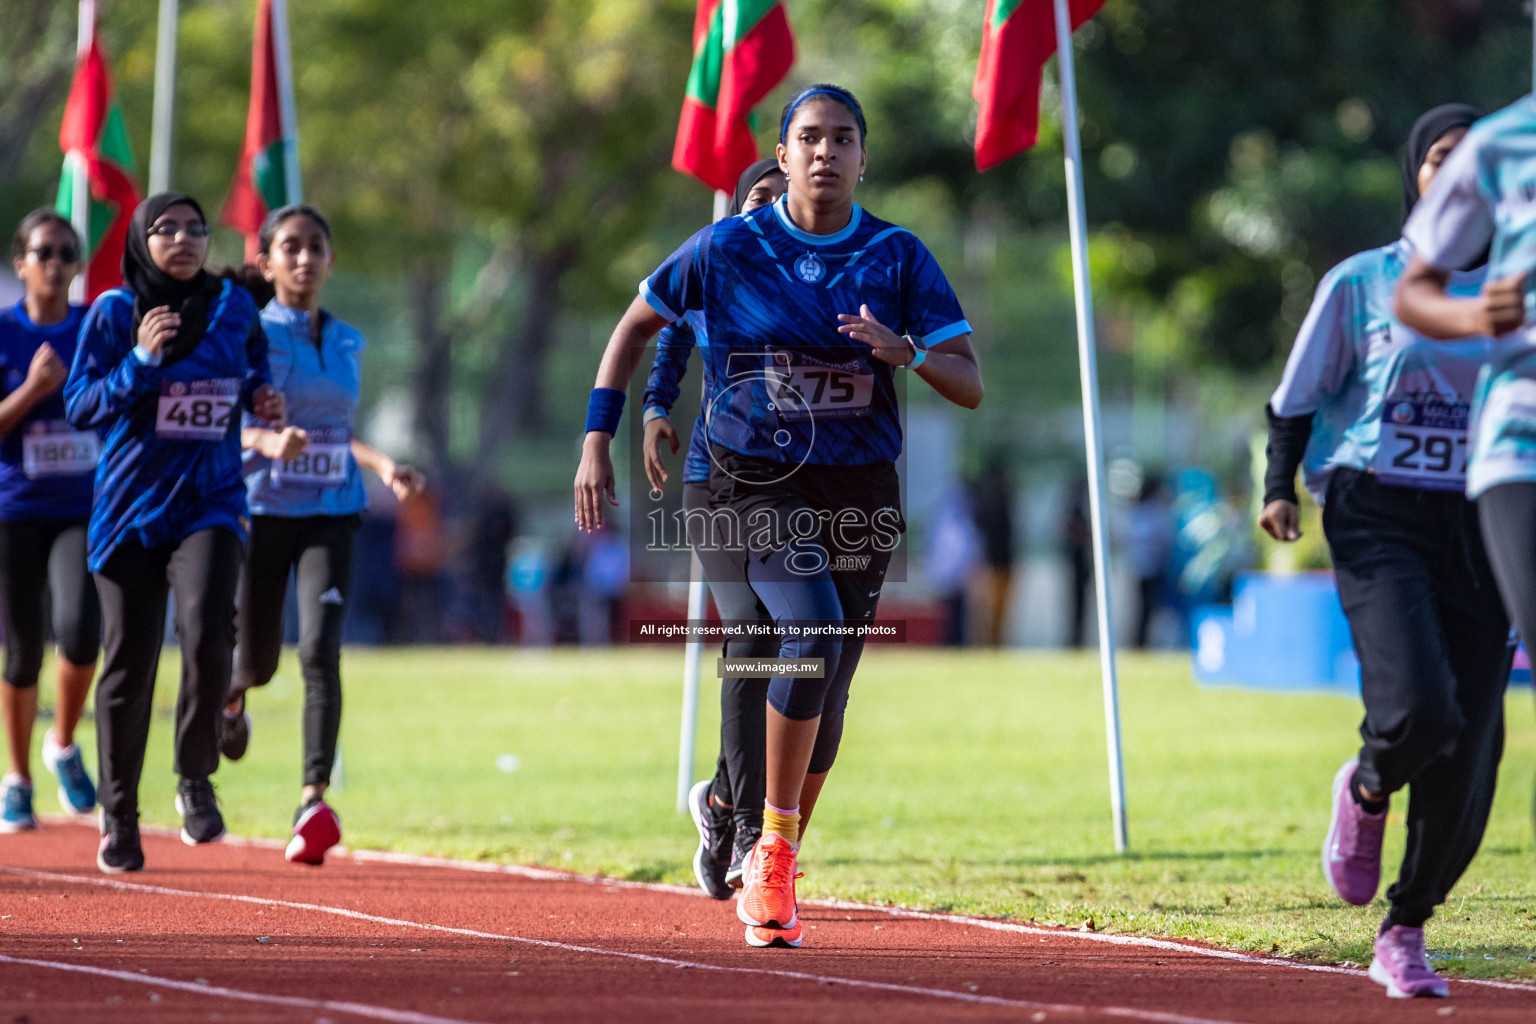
(802,348)
(727,810)
(1377,416)
(46,471)
(163,366)
(305,488)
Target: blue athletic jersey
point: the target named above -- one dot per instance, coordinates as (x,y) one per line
(664,383)
(321,386)
(1484,196)
(1382,398)
(788,386)
(35,481)
(170,461)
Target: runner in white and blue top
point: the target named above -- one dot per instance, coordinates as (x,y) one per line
(46,470)
(1382,414)
(1484,202)
(809,307)
(305,488)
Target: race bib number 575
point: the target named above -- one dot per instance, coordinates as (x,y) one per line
(197,410)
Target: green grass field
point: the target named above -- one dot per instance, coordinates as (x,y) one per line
(971,782)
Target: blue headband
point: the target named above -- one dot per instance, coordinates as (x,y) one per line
(841,97)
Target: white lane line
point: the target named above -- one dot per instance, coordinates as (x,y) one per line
(552,875)
(331,1005)
(1139,941)
(1130,1013)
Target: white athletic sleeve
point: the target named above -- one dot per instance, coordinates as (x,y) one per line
(1453,224)
(1321,358)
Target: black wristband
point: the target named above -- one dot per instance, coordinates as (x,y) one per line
(1288,437)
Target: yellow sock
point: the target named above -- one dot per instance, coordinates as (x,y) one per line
(784,823)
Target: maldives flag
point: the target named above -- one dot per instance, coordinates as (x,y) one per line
(269,158)
(98,164)
(1018,37)
(741,50)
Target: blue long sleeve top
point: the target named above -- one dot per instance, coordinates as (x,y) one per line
(663,384)
(170,461)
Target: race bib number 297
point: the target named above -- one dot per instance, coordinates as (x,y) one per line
(1423,444)
(197,410)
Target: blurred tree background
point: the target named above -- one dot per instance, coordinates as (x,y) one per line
(498,175)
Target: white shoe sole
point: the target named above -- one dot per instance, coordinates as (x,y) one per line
(777,942)
(1380,976)
(186,836)
(10,828)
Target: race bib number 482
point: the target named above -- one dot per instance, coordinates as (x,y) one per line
(1423,444)
(197,410)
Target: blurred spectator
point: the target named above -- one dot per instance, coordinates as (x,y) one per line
(1149,544)
(954,552)
(1076,537)
(605,580)
(421,552)
(483,576)
(371,614)
(565,587)
(993,503)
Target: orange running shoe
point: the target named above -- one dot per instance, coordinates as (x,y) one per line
(778,938)
(768,899)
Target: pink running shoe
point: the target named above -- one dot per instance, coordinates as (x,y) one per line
(1401,965)
(315,830)
(1352,848)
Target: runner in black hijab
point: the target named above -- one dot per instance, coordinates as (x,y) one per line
(1426,131)
(748,180)
(153,287)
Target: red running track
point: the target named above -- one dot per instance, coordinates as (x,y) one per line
(233,933)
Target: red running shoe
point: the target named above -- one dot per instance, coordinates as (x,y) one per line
(315,830)
(768,899)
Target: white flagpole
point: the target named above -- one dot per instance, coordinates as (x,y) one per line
(1082,288)
(163,134)
(80,199)
(693,652)
(285,101)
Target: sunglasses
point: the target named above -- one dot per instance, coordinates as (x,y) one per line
(44,253)
(170,231)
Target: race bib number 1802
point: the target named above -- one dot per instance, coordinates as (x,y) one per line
(197,410)
(50,448)
(1423,444)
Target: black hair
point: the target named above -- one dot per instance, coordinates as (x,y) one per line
(835,92)
(275,219)
(34,220)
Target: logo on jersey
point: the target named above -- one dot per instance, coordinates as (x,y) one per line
(810,269)
(1403,412)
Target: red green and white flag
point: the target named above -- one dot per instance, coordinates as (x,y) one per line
(1018,37)
(741,50)
(268,174)
(98,170)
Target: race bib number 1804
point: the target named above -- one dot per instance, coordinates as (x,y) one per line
(1423,444)
(197,410)
(325,463)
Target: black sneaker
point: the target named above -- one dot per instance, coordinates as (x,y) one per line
(234,734)
(716,830)
(746,838)
(201,821)
(120,848)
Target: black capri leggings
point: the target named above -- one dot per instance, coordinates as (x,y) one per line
(45,559)
(319,550)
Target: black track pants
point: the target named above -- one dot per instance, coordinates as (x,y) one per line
(42,560)
(202,570)
(1432,637)
(318,549)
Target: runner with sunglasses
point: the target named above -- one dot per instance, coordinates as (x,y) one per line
(46,473)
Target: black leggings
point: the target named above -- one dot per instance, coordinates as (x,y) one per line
(201,570)
(1433,640)
(319,549)
(45,559)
